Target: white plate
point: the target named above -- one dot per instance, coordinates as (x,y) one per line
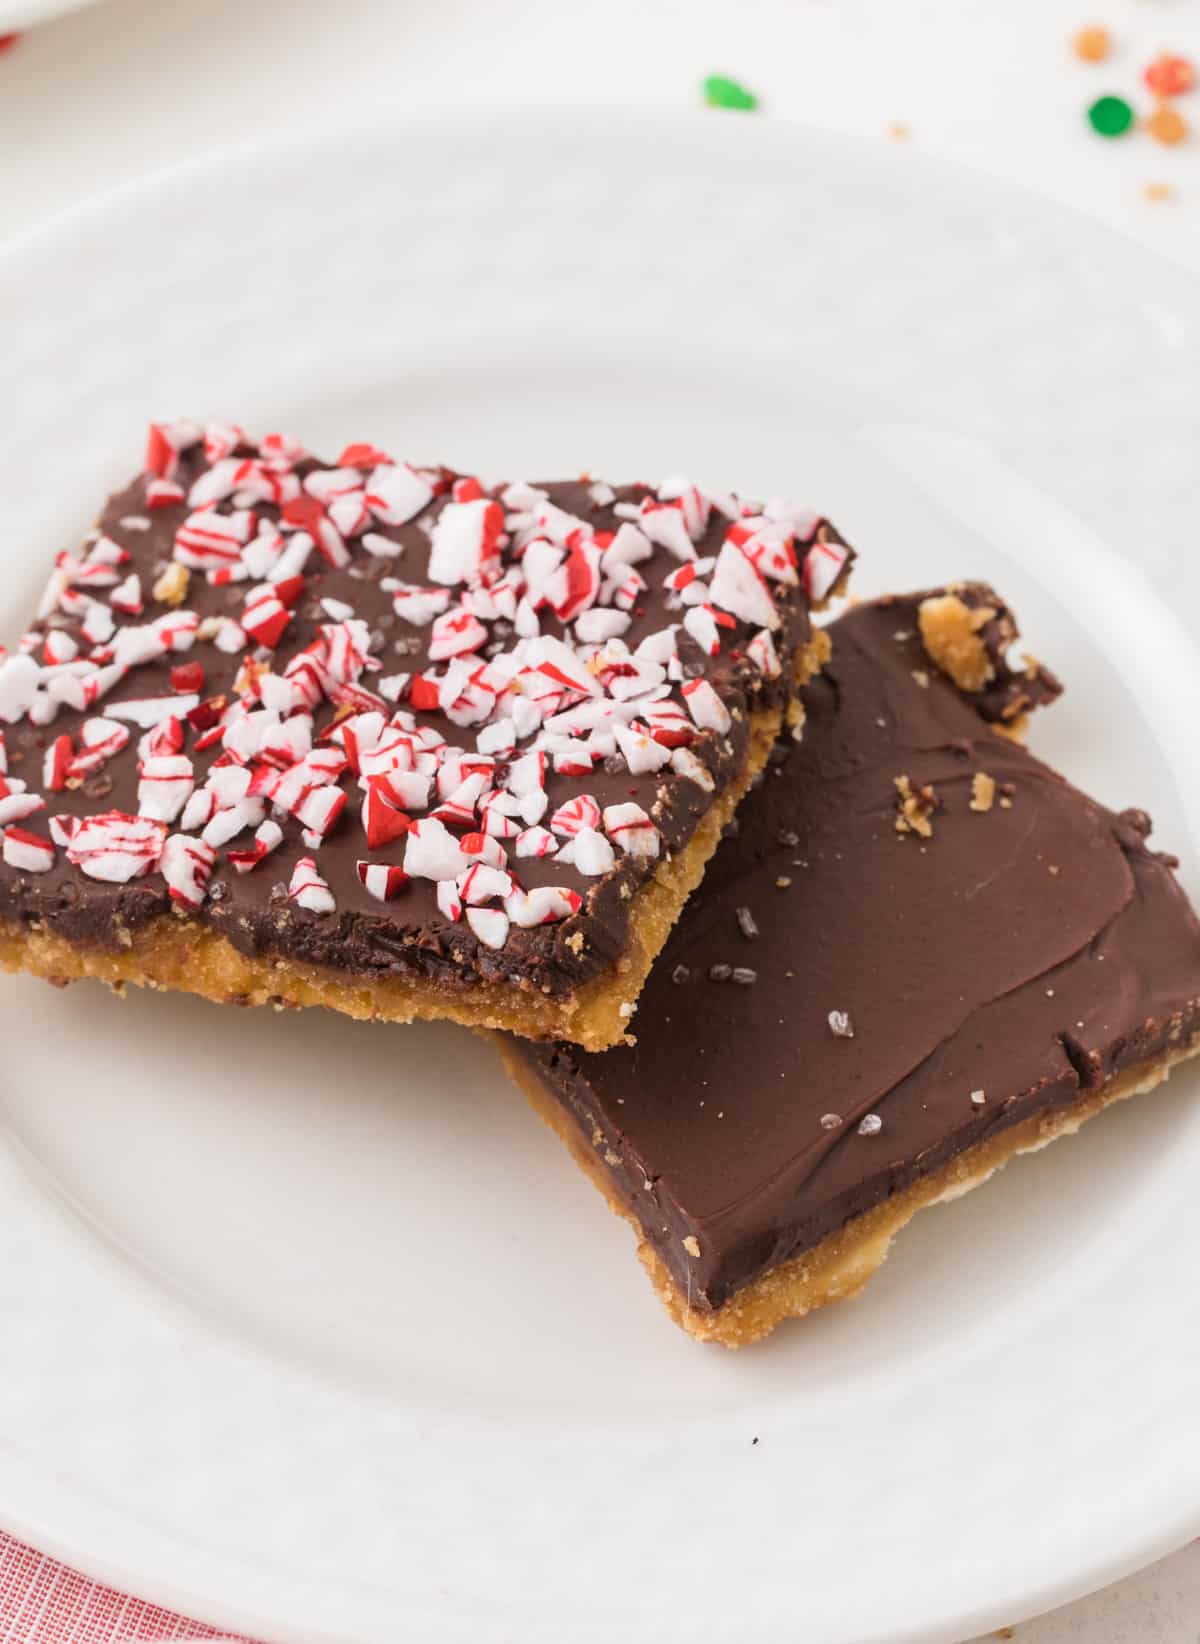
(307,1326)
(23,14)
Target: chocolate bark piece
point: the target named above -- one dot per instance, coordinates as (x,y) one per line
(390,740)
(956,955)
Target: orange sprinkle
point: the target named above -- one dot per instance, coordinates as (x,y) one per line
(1092,44)
(1166,125)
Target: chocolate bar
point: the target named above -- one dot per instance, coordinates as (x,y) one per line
(922,952)
(386,739)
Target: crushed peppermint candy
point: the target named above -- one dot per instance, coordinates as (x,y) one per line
(465,690)
(871,1125)
(840,1024)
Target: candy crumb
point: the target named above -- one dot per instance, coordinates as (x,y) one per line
(1169,75)
(831,1121)
(840,1024)
(871,1125)
(1167,125)
(1110,116)
(720,91)
(1092,44)
(692,1245)
(978,1098)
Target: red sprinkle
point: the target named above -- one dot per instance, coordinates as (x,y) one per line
(1169,75)
(187,677)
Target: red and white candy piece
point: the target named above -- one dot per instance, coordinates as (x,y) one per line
(56,764)
(58,648)
(768,545)
(308,890)
(397,493)
(642,753)
(208,540)
(165,441)
(687,764)
(465,541)
(535,841)
(739,587)
(823,565)
(591,853)
(663,523)
(127,596)
(186,864)
(482,847)
(432,852)
(490,926)
(15,803)
(631,830)
(761,651)
(455,634)
(319,810)
(418,605)
(265,616)
(544,905)
(267,838)
(481,883)
(575,814)
(100,740)
(383,820)
(163,493)
(448,900)
(27,851)
(116,847)
(706,707)
(165,786)
(382,880)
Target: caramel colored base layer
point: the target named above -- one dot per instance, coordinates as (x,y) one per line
(838,1267)
(179,953)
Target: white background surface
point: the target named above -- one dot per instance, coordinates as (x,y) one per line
(131,85)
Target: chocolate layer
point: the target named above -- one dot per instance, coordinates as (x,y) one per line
(410,934)
(848,1002)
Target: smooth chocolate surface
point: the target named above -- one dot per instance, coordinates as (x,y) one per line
(410,934)
(1017,956)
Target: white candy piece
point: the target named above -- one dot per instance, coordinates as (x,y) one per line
(308,890)
(432,852)
(490,926)
(165,786)
(592,852)
(631,829)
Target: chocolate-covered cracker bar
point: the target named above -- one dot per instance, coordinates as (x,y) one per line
(923,953)
(385,739)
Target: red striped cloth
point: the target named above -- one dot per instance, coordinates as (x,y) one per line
(44,1602)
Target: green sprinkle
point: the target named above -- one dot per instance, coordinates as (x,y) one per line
(721,92)
(1110,116)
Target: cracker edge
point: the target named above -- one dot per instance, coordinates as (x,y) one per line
(839,1266)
